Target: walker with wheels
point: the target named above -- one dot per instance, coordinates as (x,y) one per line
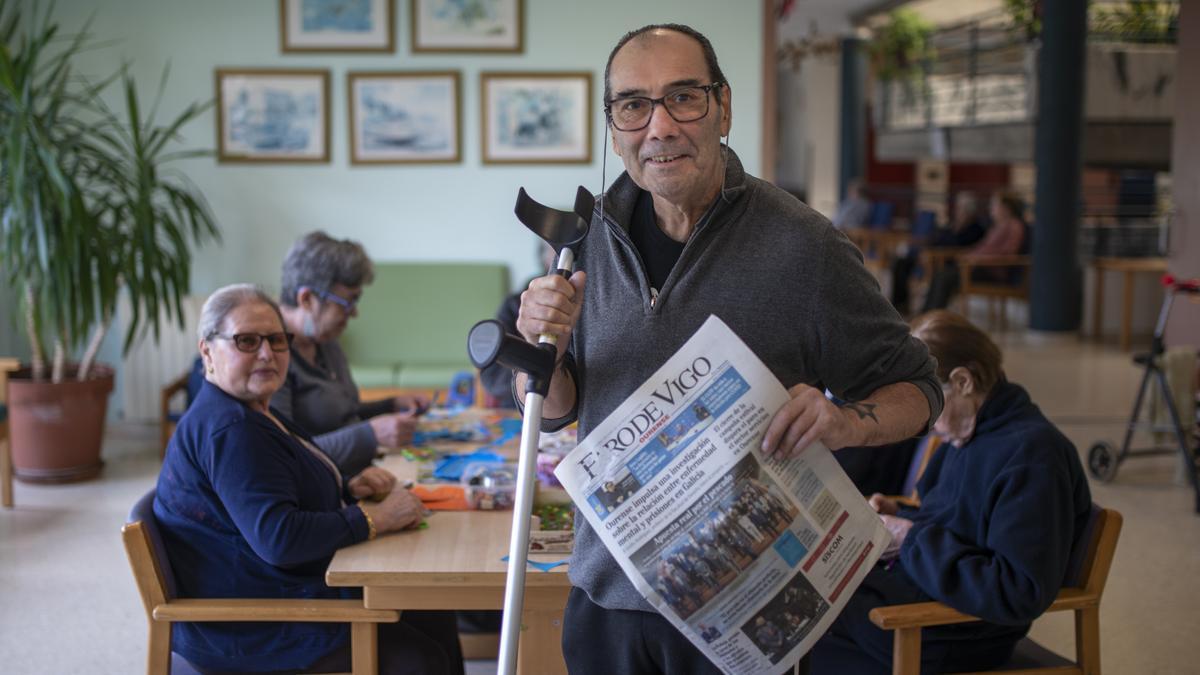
(1103,458)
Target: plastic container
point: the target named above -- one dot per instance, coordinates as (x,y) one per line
(490,486)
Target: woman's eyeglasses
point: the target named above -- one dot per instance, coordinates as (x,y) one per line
(250,342)
(336,299)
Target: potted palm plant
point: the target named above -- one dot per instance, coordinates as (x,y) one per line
(88,211)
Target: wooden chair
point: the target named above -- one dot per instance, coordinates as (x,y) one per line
(993,290)
(6,469)
(924,452)
(1086,578)
(156,584)
(168,419)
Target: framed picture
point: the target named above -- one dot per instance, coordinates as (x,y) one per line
(337,25)
(404,117)
(467,26)
(272,115)
(532,118)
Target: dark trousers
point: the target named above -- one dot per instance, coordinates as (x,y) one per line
(421,643)
(599,641)
(855,645)
(902,269)
(942,286)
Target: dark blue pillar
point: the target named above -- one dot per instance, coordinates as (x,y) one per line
(853,113)
(1056,287)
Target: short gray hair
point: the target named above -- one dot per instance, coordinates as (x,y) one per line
(319,261)
(706,48)
(226,299)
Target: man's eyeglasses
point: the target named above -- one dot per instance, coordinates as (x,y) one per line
(250,342)
(686,104)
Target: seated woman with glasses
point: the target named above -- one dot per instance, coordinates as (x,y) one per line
(250,508)
(323,279)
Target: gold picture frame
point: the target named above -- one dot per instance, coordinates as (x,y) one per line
(346,30)
(405,117)
(439,26)
(536,117)
(272,115)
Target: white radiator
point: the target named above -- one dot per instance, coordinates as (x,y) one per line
(151,364)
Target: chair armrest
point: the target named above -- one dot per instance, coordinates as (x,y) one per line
(926,614)
(917,615)
(936,257)
(995,260)
(271,609)
(905,500)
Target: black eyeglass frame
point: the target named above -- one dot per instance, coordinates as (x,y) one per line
(259,338)
(662,101)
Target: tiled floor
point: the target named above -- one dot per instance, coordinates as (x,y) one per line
(70,606)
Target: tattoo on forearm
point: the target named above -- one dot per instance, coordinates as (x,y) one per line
(864,410)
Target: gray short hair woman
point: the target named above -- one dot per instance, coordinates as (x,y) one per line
(323,280)
(251,508)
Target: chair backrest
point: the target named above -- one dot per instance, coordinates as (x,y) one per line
(195,380)
(926,447)
(1092,554)
(148,555)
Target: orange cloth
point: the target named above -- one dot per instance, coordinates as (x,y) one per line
(442,497)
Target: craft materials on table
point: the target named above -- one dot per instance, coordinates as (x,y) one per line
(555,516)
(490,485)
(441,497)
(543,566)
(450,467)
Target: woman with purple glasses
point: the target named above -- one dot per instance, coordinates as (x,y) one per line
(323,279)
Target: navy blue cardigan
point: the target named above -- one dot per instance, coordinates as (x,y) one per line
(248,512)
(999,515)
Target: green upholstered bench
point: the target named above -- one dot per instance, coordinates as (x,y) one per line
(411,331)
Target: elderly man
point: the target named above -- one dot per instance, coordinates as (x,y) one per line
(687,233)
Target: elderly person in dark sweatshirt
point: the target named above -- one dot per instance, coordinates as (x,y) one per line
(686,233)
(251,508)
(1002,505)
(323,279)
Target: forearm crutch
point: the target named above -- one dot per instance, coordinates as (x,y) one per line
(489,343)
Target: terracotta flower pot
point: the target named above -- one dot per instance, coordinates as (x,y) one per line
(56,429)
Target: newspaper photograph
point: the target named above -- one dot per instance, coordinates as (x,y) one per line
(751,558)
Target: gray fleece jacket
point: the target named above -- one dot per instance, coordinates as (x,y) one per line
(788,283)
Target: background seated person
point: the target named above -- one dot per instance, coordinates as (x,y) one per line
(323,279)
(1002,504)
(1007,235)
(249,507)
(965,229)
(855,209)
(497,379)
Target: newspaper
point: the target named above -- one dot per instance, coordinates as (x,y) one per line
(750,558)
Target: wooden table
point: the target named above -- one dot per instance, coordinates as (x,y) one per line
(456,564)
(1129,267)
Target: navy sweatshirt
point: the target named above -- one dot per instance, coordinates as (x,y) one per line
(999,515)
(246,511)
